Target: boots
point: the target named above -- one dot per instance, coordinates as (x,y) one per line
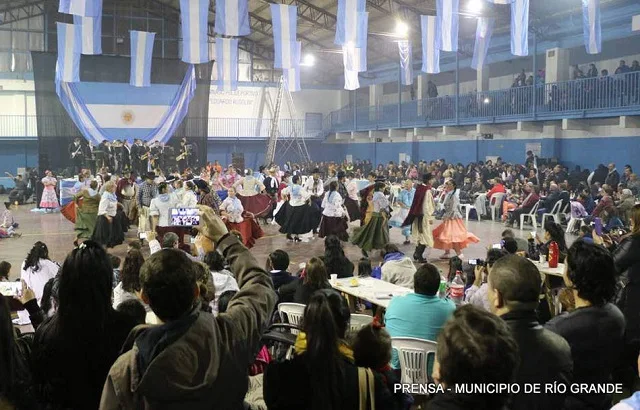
(417,255)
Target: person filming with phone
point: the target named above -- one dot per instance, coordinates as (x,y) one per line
(476,294)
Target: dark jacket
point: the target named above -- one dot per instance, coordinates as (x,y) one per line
(627,261)
(545,357)
(280,277)
(613,179)
(550,200)
(595,334)
(288,386)
(198,361)
(298,292)
(344,268)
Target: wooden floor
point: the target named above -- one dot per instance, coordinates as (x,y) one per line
(54,230)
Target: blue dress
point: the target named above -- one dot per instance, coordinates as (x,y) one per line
(400,214)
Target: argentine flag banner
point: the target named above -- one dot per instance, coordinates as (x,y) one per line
(591,26)
(69,48)
(141,58)
(430,44)
(227,63)
(91,28)
(194,18)
(84,8)
(448,18)
(483,38)
(520,28)
(349,19)
(406,62)
(232,18)
(284,20)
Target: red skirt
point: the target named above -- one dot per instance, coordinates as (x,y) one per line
(450,232)
(259,205)
(69,211)
(249,229)
(334,226)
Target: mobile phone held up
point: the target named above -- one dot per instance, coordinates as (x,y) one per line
(598,226)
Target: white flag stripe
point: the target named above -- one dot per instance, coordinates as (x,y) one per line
(635,23)
(232,17)
(140,57)
(286,38)
(194,32)
(351,17)
(226,64)
(69,48)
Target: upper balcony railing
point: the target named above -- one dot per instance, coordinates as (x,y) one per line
(584,98)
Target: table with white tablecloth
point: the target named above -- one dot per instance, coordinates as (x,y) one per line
(372,290)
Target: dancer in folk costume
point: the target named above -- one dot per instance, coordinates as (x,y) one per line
(237,219)
(249,191)
(49,199)
(108,231)
(401,208)
(87,202)
(375,234)
(452,234)
(334,216)
(366,195)
(296,216)
(351,204)
(420,218)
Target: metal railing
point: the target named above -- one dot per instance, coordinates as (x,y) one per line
(583,98)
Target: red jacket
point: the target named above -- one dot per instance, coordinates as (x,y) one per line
(497,188)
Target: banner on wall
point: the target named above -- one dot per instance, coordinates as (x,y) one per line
(483,39)
(227,63)
(348,22)
(635,23)
(284,20)
(406,62)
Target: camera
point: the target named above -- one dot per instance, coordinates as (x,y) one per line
(476,262)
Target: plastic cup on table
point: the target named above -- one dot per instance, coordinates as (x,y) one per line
(334,279)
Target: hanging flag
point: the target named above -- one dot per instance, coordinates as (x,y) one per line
(351,80)
(194,15)
(64,5)
(635,23)
(91,29)
(591,26)
(232,18)
(406,62)
(354,59)
(141,58)
(69,47)
(284,20)
(430,44)
(227,63)
(500,1)
(348,21)
(447,11)
(291,78)
(483,38)
(85,8)
(520,28)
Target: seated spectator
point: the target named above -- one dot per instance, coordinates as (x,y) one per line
(74,349)
(364,268)
(5,270)
(115,265)
(334,259)
(397,268)
(590,272)
(421,314)
(300,290)
(37,269)
(625,205)
(223,279)
(586,234)
(510,246)
(634,184)
(605,209)
(322,374)
(474,347)
(129,284)
(526,205)
(277,265)
(476,294)
(523,245)
(483,200)
(545,357)
(553,232)
(134,309)
(50,299)
(219,348)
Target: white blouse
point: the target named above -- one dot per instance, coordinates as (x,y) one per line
(297,195)
(380,201)
(189,200)
(233,207)
(316,189)
(37,279)
(108,205)
(332,205)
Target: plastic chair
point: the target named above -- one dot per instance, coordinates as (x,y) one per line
(555,213)
(571,226)
(291,313)
(359,321)
(495,203)
(467,208)
(413,354)
(531,215)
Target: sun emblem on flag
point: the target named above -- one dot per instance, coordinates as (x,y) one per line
(127,117)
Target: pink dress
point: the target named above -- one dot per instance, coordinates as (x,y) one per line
(452,233)
(49,197)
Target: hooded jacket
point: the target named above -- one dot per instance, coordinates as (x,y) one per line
(398,269)
(199,361)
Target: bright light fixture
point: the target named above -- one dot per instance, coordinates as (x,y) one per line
(475,6)
(402,29)
(487,100)
(309,60)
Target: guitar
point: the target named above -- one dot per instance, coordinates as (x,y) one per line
(77,152)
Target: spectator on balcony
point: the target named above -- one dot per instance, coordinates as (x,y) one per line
(521,78)
(605,88)
(577,72)
(593,71)
(622,68)
(432,90)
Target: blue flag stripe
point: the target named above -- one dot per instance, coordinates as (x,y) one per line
(591,26)
(430,44)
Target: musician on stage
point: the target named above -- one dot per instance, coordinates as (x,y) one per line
(156,155)
(139,157)
(77,154)
(126,155)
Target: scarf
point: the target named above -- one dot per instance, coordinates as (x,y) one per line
(301,347)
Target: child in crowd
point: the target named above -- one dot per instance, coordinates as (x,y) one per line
(5,269)
(364,268)
(7,225)
(134,309)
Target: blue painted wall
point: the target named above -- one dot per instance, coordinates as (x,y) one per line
(14,155)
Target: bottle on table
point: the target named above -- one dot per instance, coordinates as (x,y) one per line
(456,288)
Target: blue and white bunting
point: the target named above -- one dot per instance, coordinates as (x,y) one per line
(284,20)
(91,28)
(406,62)
(232,18)
(85,8)
(448,17)
(591,26)
(483,38)
(430,44)
(349,19)
(227,63)
(141,58)
(194,18)
(69,48)
(520,28)
(64,6)
(635,23)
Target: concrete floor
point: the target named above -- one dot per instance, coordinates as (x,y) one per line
(54,230)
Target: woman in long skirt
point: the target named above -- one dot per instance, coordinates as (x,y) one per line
(296,216)
(375,234)
(249,193)
(404,201)
(87,203)
(49,199)
(451,233)
(237,219)
(350,203)
(334,218)
(108,230)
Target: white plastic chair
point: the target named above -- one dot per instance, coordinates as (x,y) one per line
(555,213)
(571,226)
(359,321)
(467,208)
(495,203)
(291,313)
(531,215)
(413,354)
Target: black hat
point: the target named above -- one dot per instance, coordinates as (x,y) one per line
(341,174)
(380,178)
(170,179)
(426,177)
(201,184)
(316,171)
(150,175)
